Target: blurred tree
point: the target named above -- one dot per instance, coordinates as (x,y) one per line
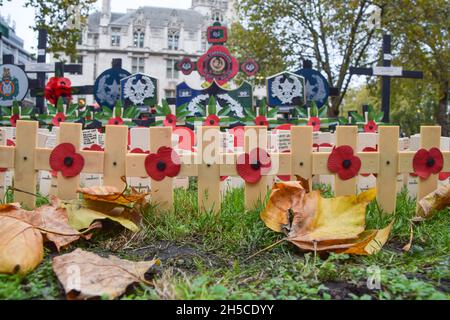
(63,19)
(420,30)
(334,34)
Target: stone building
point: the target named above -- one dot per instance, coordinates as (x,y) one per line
(149,40)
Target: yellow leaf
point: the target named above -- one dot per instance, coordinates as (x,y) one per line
(81,217)
(435,201)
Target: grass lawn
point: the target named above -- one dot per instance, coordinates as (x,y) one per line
(203,257)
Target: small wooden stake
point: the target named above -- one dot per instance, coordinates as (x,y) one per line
(209,197)
(255,136)
(346,135)
(161,190)
(116,143)
(67,187)
(25,175)
(388,171)
(430,137)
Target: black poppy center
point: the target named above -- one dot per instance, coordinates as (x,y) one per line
(116,122)
(161,166)
(314,123)
(211,121)
(59,119)
(170,120)
(261,123)
(371,127)
(346,164)
(430,162)
(256,166)
(68,161)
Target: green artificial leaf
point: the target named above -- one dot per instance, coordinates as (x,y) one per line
(51,109)
(224,111)
(71,109)
(15,108)
(7,111)
(118,110)
(357,117)
(314,111)
(272,113)
(27,111)
(128,112)
(60,105)
(212,106)
(302,112)
(323,112)
(263,108)
(380,117)
(250,112)
(182,114)
(165,107)
(107,112)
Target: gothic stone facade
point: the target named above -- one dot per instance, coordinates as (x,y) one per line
(148,40)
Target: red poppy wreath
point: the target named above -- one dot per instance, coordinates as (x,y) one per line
(66,160)
(426,163)
(251,166)
(164,163)
(343,162)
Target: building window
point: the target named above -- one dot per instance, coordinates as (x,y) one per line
(115,37)
(76,60)
(139,39)
(173,40)
(169,93)
(171,73)
(137,64)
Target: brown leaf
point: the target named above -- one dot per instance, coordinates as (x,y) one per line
(323,224)
(112,195)
(85,275)
(435,201)
(21,245)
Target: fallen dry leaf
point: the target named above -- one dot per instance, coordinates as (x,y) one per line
(82,217)
(323,224)
(85,275)
(112,195)
(21,245)
(435,201)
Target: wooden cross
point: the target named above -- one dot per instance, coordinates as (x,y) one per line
(41,68)
(387,71)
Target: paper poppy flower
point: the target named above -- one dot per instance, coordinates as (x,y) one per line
(426,163)
(115,121)
(343,162)
(13,119)
(170,121)
(58,118)
(66,160)
(212,120)
(58,87)
(322,145)
(444,176)
(164,163)
(261,121)
(315,123)
(94,147)
(250,166)
(369,149)
(138,150)
(286,126)
(371,127)
(10,143)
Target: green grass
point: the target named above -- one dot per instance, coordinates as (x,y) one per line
(204,257)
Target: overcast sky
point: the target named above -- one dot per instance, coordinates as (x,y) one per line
(24,17)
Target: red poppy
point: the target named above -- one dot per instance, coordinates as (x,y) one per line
(66,160)
(369,149)
(250,166)
(138,150)
(315,123)
(286,126)
(212,120)
(115,121)
(164,163)
(58,118)
(10,143)
(429,162)
(13,119)
(344,163)
(261,121)
(56,88)
(371,127)
(223,178)
(94,147)
(444,176)
(170,121)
